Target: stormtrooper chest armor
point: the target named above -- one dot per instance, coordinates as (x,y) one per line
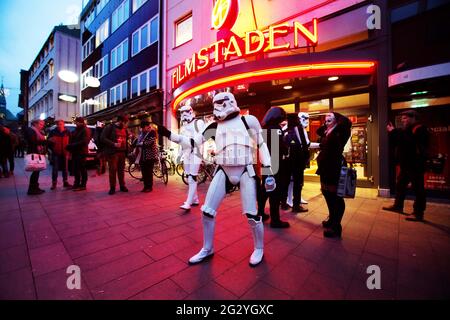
(234,146)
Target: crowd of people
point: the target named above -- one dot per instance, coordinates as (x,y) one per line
(283,153)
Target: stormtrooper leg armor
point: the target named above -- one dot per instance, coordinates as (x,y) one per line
(248,198)
(191,170)
(216,193)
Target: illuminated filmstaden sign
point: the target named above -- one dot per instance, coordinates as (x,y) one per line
(254,42)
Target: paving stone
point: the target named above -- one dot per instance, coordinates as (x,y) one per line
(49,258)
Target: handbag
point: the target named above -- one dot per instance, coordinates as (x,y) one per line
(347,183)
(35,162)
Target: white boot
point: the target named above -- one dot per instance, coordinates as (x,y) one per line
(196,201)
(208,239)
(191,194)
(258,240)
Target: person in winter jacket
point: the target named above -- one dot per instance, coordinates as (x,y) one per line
(78,147)
(58,140)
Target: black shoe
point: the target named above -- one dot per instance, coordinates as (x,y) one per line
(284,206)
(123,189)
(53,187)
(67,185)
(35,192)
(112,191)
(394,208)
(279,224)
(299,209)
(333,232)
(265,217)
(326,223)
(147,190)
(417,217)
(80,188)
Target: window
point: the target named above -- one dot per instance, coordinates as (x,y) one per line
(144,82)
(137,4)
(89,19)
(101,67)
(145,36)
(102,100)
(88,73)
(101,4)
(88,47)
(120,15)
(119,54)
(51,69)
(183,29)
(118,93)
(102,33)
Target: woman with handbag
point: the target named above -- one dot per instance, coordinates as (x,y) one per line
(333,137)
(36,144)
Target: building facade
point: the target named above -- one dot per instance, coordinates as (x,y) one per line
(309,56)
(121,48)
(49,96)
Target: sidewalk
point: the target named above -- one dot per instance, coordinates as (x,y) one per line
(136,246)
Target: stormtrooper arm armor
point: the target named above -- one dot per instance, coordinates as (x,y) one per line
(264,154)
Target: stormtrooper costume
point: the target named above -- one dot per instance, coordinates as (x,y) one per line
(304,120)
(236,138)
(192,155)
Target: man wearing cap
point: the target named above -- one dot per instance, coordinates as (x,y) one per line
(78,147)
(411,143)
(114,138)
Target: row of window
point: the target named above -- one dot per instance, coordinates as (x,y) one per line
(42,79)
(142,83)
(47,49)
(141,39)
(118,17)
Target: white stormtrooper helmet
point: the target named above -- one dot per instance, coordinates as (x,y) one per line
(187,114)
(224,104)
(304,119)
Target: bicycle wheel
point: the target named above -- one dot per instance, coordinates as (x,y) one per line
(157,169)
(170,168)
(185,179)
(180,169)
(164,172)
(135,171)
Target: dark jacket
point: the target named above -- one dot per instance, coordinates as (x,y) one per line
(79,141)
(109,138)
(149,147)
(282,148)
(330,158)
(33,144)
(411,146)
(6,145)
(58,141)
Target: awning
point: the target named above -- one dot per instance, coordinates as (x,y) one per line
(150,102)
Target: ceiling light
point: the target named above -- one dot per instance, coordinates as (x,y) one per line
(287,87)
(67,98)
(419,93)
(333,78)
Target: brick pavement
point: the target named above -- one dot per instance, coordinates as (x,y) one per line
(136,246)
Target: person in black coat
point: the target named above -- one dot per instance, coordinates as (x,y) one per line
(333,137)
(78,147)
(271,123)
(148,153)
(36,143)
(411,143)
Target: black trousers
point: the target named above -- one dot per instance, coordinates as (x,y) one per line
(34,181)
(336,207)
(416,177)
(296,169)
(147,173)
(11,161)
(79,170)
(274,199)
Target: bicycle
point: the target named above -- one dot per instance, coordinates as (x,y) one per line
(160,169)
